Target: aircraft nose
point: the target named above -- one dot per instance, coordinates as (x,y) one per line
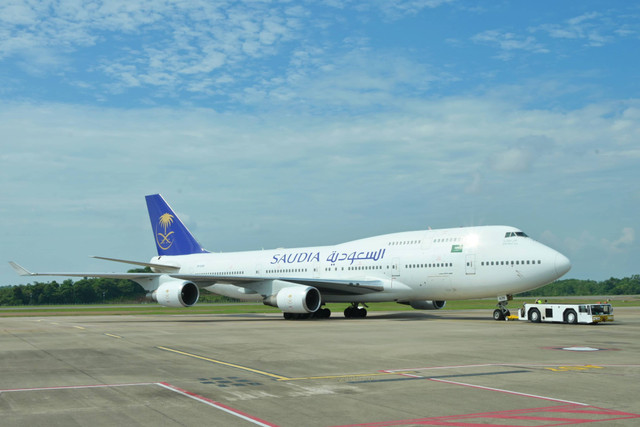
(562,264)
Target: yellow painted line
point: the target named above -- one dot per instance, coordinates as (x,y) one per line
(574,368)
(328,377)
(113,336)
(79,327)
(219,362)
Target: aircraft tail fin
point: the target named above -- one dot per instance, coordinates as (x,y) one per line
(171,235)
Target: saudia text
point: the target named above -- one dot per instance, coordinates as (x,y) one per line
(334,257)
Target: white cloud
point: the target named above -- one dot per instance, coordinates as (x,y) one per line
(587,27)
(158,39)
(287,173)
(508,42)
(513,160)
(316,114)
(626,239)
(523,155)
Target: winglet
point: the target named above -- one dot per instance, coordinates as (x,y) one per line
(20,269)
(171,235)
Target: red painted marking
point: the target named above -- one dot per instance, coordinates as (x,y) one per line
(495,419)
(539,418)
(587,410)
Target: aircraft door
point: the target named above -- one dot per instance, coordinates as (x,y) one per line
(395,267)
(470,267)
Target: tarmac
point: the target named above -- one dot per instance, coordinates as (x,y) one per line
(446,367)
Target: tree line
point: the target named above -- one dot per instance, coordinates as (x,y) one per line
(84,291)
(571,287)
(101,291)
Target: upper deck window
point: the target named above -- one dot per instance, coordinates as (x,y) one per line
(515,234)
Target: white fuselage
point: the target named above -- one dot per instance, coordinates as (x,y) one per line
(444,264)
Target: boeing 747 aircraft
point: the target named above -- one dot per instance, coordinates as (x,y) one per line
(420,268)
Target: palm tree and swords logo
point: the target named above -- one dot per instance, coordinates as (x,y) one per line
(165,239)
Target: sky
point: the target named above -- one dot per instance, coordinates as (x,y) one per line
(272,124)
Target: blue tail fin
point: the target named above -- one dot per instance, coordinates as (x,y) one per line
(171,235)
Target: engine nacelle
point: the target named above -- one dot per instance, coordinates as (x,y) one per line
(427,305)
(296,299)
(176,293)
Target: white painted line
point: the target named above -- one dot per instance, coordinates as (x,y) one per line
(508,392)
(71,387)
(201,399)
(515,364)
(218,405)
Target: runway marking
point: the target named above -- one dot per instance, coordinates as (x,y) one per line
(167,386)
(574,368)
(71,387)
(218,405)
(113,336)
(408,376)
(328,377)
(543,416)
(220,362)
(79,327)
(516,393)
(511,365)
(228,381)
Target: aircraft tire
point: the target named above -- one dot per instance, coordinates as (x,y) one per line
(497,314)
(355,313)
(324,313)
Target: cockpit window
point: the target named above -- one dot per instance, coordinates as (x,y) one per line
(515,234)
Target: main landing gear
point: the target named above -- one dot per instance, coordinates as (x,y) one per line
(502,312)
(355,311)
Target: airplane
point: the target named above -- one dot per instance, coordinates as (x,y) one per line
(422,269)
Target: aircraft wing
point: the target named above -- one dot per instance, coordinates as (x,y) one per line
(131,276)
(163,267)
(329,286)
(341,287)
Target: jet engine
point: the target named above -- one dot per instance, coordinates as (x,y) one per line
(176,293)
(296,299)
(427,305)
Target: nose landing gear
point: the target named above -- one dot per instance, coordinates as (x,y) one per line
(502,312)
